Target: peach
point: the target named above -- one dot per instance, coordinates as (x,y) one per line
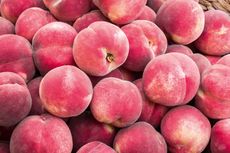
(6,27)
(66,91)
(41,134)
(186,129)
(168,75)
(4,148)
(179,49)
(224,60)
(96,147)
(121,11)
(215,39)
(212,59)
(68,10)
(201,61)
(116,102)
(182,28)
(16,56)
(220,137)
(147,14)
(151,112)
(15,98)
(146,41)
(11,9)
(31,20)
(140,137)
(98,51)
(53,46)
(85,20)
(37,106)
(85,129)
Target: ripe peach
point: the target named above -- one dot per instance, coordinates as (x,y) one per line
(225,60)
(201,61)
(15,98)
(147,14)
(53,46)
(16,56)
(95,147)
(6,27)
(85,20)
(98,51)
(212,59)
(146,41)
(31,20)
(66,91)
(140,137)
(168,75)
(185,129)
(116,102)
(182,28)
(4,148)
(68,10)
(85,129)
(179,49)
(121,11)
(215,39)
(41,134)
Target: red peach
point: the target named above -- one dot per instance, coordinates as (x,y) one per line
(4,148)
(186,129)
(179,49)
(66,91)
(225,60)
(6,27)
(95,147)
(147,14)
(212,59)
(98,51)
(116,102)
(201,61)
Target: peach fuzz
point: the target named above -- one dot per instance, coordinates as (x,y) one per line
(11,9)
(168,75)
(85,129)
(37,106)
(179,49)
(186,129)
(98,51)
(6,27)
(31,20)
(220,137)
(52,46)
(201,61)
(16,56)
(66,91)
(147,14)
(15,98)
(146,41)
(215,39)
(68,10)
(182,28)
(225,60)
(85,20)
(151,112)
(110,103)
(4,148)
(140,137)
(41,134)
(96,147)
(121,11)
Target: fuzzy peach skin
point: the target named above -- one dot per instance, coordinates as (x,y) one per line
(147,14)
(146,41)
(151,112)
(4,148)
(121,11)
(6,27)
(37,106)
(52,46)
(215,39)
(220,137)
(182,28)
(96,147)
(85,20)
(186,129)
(140,137)
(11,9)
(41,134)
(31,20)
(202,62)
(116,102)
(224,60)
(16,56)
(212,59)
(85,129)
(179,49)
(15,98)
(98,51)
(68,10)
(66,91)
(168,75)
(213,97)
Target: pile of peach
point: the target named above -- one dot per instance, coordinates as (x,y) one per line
(114,76)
